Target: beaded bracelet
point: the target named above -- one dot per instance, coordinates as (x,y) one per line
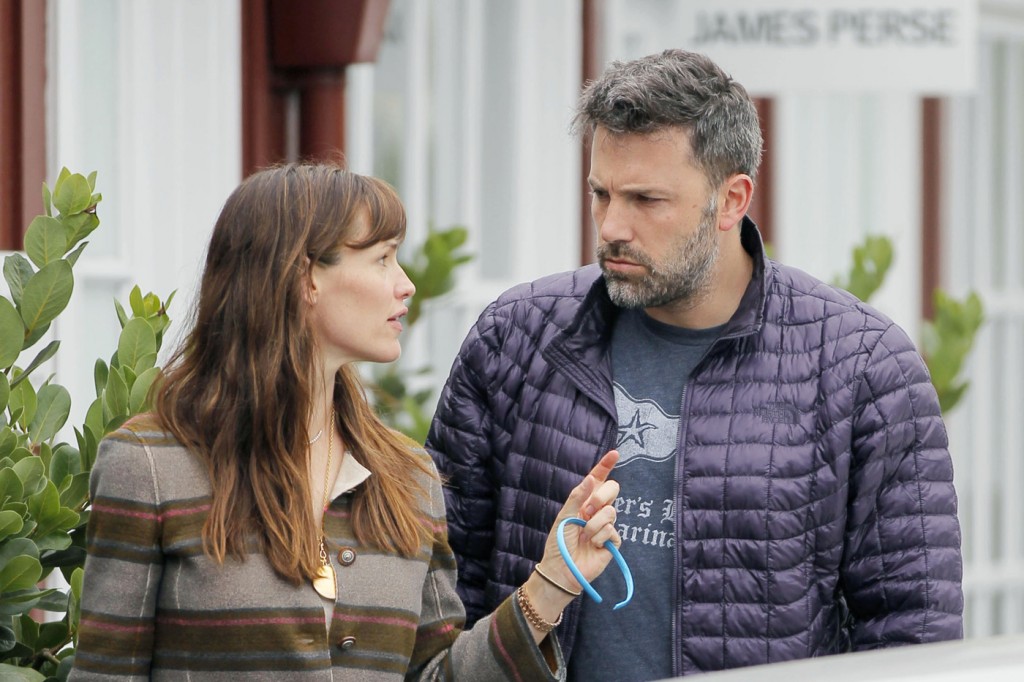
(531,613)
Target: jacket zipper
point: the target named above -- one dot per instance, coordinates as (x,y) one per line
(677,589)
(677,565)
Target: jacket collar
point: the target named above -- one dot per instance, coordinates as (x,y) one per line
(580,350)
(749,316)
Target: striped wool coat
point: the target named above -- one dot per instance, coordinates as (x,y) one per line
(154,606)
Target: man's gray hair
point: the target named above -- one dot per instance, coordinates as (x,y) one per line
(677,89)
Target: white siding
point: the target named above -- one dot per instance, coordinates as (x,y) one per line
(147,93)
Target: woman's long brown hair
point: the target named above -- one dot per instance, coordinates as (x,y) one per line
(239,390)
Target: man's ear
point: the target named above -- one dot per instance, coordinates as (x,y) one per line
(733,200)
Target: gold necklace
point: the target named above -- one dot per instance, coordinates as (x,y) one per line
(325,583)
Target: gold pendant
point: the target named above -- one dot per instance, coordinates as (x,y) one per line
(324,583)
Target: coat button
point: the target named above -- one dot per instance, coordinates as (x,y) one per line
(346,556)
(347,642)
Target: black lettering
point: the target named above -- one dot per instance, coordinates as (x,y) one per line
(806,25)
(775,28)
(942,27)
(891,27)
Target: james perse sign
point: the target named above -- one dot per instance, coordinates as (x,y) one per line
(925,46)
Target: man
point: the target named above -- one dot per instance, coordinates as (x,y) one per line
(786,489)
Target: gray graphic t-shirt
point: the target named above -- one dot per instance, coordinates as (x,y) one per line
(651,363)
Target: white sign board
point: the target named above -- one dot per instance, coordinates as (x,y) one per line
(776,46)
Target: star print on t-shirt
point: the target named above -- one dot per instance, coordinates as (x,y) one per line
(650,433)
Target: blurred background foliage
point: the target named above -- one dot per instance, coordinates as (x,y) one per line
(946,339)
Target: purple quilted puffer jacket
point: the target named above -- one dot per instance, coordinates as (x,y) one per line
(815,509)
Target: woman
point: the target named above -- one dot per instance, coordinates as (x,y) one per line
(263,523)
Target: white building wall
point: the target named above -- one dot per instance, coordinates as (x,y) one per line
(983,235)
(147,93)
(466,112)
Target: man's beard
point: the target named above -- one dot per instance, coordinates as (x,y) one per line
(685,277)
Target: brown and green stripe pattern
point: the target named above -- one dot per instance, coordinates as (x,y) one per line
(155,606)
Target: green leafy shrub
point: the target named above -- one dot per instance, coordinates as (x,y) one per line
(946,340)
(44,483)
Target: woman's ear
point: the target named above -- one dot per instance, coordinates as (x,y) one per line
(312,289)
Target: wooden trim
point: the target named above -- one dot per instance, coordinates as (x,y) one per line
(22,116)
(931,189)
(322,116)
(263,133)
(590,70)
(762,207)
(301,47)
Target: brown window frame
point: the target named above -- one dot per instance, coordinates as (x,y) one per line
(22,117)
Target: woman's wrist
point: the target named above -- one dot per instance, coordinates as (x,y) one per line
(547,601)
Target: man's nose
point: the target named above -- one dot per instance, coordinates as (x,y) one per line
(614,223)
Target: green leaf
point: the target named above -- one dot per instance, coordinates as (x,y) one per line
(72,257)
(72,195)
(47,200)
(53,600)
(67,661)
(138,400)
(92,439)
(10,673)
(45,504)
(23,397)
(136,303)
(116,394)
(92,181)
(32,475)
(65,559)
(5,392)
(46,294)
(99,375)
(11,487)
(41,357)
(52,634)
(11,523)
(94,418)
(17,271)
(122,316)
(12,334)
(46,240)
(80,226)
(66,461)
(146,362)
(19,565)
(8,441)
(56,538)
(137,340)
(51,414)
(77,491)
(21,452)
